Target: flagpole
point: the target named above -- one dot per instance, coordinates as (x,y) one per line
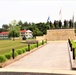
(73,21)
(74,26)
(60,14)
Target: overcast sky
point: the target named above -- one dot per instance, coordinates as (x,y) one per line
(36,10)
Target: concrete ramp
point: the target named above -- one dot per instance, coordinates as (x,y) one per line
(51,59)
(54,55)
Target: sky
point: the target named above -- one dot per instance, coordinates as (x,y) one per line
(36,10)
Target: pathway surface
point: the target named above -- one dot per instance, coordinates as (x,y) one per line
(54,55)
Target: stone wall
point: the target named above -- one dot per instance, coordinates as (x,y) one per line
(60,34)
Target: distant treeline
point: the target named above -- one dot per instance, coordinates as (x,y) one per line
(41,28)
(59,25)
(38,29)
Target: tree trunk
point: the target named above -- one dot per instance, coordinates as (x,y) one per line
(13,39)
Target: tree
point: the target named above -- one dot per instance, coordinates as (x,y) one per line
(37,32)
(24,25)
(43,27)
(5,27)
(70,24)
(56,24)
(51,25)
(65,24)
(1,30)
(46,25)
(20,23)
(31,26)
(14,30)
(60,24)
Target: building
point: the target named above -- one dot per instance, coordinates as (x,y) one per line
(22,33)
(26,33)
(29,34)
(3,35)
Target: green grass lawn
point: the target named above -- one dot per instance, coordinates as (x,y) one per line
(19,46)
(7,45)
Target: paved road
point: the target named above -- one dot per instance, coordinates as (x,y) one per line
(53,55)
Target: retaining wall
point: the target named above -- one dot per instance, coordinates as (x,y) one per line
(58,34)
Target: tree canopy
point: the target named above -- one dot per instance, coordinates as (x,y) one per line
(14,30)
(37,28)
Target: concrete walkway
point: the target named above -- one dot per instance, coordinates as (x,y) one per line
(54,55)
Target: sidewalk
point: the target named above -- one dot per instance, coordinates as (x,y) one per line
(53,56)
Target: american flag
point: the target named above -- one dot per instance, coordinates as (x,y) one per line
(48,19)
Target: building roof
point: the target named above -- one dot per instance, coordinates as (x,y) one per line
(21,31)
(28,31)
(4,33)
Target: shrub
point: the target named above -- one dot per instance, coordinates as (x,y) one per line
(24,50)
(53,27)
(8,55)
(40,43)
(19,51)
(16,54)
(31,46)
(2,58)
(44,41)
(35,45)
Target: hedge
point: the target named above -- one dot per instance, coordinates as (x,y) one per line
(23,50)
(17,52)
(8,55)
(32,46)
(2,58)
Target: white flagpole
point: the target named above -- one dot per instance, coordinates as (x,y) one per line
(73,20)
(60,14)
